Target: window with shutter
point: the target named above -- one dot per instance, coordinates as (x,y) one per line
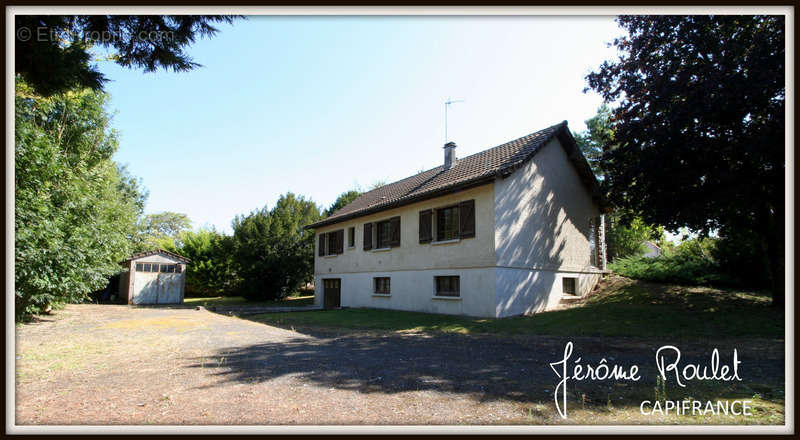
(383,234)
(425,226)
(321,245)
(340,241)
(351,237)
(394,226)
(467,218)
(447,223)
(367,236)
(332,248)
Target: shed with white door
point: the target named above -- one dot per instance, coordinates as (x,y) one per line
(154,277)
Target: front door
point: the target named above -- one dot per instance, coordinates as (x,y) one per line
(332,292)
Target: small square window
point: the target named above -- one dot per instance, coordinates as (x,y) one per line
(164,268)
(568,285)
(448,286)
(383,285)
(146,267)
(139,267)
(171,268)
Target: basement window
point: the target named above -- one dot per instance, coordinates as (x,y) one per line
(568,285)
(448,286)
(383,285)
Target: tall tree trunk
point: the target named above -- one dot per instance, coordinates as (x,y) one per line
(771,225)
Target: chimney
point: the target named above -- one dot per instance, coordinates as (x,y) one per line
(450,155)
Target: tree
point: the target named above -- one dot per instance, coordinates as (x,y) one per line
(75,209)
(699,125)
(341,201)
(592,141)
(273,254)
(155,228)
(625,233)
(52,52)
(211,270)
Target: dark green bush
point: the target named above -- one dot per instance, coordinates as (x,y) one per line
(679,268)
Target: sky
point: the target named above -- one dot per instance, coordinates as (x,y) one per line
(321,105)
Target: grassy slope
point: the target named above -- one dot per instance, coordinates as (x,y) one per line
(623,308)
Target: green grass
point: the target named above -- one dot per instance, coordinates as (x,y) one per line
(290,301)
(626,308)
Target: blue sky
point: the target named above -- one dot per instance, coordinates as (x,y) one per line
(319,105)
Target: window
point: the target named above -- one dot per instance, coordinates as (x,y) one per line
(384,231)
(171,268)
(146,267)
(382,285)
(164,268)
(139,267)
(568,285)
(351,237)
(447,286)
(331,243)
(178,268)
(595,251)
(447,223)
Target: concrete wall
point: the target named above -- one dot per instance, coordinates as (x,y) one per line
(414,291)
(542,217)
(156,287)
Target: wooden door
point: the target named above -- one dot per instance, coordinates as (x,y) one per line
(332,292)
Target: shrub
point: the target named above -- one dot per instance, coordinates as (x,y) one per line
(679,268)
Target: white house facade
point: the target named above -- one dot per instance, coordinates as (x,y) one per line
(511,230)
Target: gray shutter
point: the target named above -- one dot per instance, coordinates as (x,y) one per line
(467,218)
(394,229)
(367,236)
(321,245)
(340,241)
(425,226)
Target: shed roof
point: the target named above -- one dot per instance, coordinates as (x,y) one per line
(158,251)
(478,169)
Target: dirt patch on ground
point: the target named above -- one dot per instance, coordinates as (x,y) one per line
(107,364)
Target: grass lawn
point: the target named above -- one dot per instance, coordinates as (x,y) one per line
(624,308)
(289,301)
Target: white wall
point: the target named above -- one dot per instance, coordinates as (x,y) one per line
(473,252)
(542,217)
(525,291)
(414,291)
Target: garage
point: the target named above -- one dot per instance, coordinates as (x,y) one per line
(153,277)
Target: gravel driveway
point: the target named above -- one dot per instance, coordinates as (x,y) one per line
(107,364)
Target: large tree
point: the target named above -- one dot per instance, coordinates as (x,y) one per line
(698,125)
(75,209)
(52,52)
(343,200)
(273,254)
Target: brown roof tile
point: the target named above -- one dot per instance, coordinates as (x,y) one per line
(477,169)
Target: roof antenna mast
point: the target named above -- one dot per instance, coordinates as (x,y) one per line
(447,105)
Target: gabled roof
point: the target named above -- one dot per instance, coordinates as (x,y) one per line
(478,169)
(156,252)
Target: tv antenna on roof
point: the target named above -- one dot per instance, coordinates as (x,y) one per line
(447,104)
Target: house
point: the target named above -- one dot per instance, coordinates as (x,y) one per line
(154,277)
(510,230)
(651,249)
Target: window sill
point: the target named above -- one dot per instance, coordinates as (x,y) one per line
(382,295)
(448,298)
(382,249)
(351,247)
(455,240)
(330,256)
